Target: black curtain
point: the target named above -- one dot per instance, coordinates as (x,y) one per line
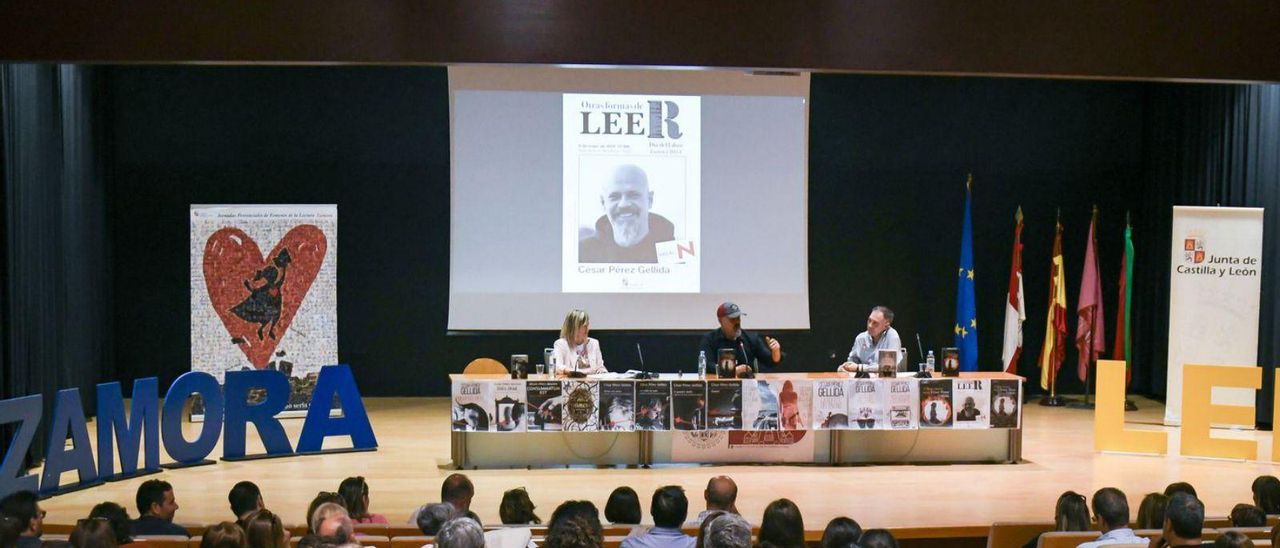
(1206,145)
(56,329)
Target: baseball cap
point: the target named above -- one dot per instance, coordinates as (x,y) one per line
(728,310)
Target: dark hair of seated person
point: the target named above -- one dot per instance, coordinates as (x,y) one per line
(877,538)
(1247,515)
(669,506)
(117,517)
(263,529)
(10,530)
(321,498)
(841,532)
(1180,487)
(782,526)
(570,509)
(1232,539)
(517,508)
(1151,511)
(93,533)
(575,532)
(224,535)
(1071,513)
(623,507)
(1266,494)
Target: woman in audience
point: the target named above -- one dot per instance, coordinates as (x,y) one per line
(702,527)
(878,538)
(263,529)
(1071,513)
(570,509)
(117,517)
(1232,539)
(1180,487)
(321,498)
(1266,494)
(841,532)
(782,527)
(517,508)
(574,350)
(575,532)
(1247,515)
(623,507)
(1151,511)
(93,533)
(224,535)
(355,496)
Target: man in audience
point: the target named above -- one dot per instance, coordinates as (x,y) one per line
(338,526)
(1183,520)
(669,509)
(728,530)
(1180,487)
(156,507)
(458,491)
(1111,509)
(23,507)
(245,499)
(432,516)
(460,533)
(721,495)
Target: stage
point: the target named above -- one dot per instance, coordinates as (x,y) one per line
(414,457)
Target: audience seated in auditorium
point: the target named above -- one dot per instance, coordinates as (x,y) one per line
(432,516)
(93,533)
(721,495)
(782,526)
(322,498)
(728,530)
(1247,515)
(669,509)
(1232,539)
(1071,513)
(1266,494)
(517,509)
(841,532)
(117,517)
(878,538)
(1111,509)
(700,540)
(224,535)
(1183,521)
(263,529)
(571,509)
(460,533)
(355,493)
(1151,511)
(156,508)
(575,532)
(623,507)
(1180,487)
(245,499)
(9,531)
(337,525)
(23,507)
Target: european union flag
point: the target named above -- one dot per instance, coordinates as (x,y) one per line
(966,327)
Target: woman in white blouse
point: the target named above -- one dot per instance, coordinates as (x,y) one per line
(574,350)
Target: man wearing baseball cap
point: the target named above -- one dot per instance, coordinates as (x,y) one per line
(748,347)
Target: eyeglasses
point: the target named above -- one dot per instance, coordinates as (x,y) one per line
(43,513)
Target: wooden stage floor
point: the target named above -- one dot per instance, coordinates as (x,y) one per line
(413,458)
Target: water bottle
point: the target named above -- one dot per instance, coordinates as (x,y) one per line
(928,362)
(702,364)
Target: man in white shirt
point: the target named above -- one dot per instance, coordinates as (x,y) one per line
(879,335)
(1111,509)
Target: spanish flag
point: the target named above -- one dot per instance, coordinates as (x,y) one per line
(1055,333)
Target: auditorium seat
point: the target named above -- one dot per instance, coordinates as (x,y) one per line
(485,366)
(164,541)
(372,528)
(376,541)
(1013,534)
(59,528)
(194,542)
(298,531)
(415,541)
(394,531)
(1066,539)
(1217,522)
(1254,533)
(613,542)
(609,531)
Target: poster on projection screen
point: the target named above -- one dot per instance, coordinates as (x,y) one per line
(632,183)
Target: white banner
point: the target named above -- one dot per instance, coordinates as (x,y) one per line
(264,294)
(1215,281)
(632,194)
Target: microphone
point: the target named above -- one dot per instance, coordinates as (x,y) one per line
(919,346)
(640,354)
